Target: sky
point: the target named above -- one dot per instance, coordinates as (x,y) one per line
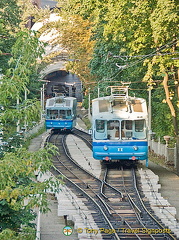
(48,3)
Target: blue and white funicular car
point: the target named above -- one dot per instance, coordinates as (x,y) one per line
(119,127)
(61,112)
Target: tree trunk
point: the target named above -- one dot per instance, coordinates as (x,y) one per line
(177,157)
(178,85)
(170,104)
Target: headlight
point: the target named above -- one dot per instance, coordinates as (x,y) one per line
(135,148)
(105,148)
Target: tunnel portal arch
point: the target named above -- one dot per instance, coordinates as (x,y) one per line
(62,81)
(56,73)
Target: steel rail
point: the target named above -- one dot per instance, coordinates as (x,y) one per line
(146,210)
(82,137)
(91,198)
(103,182)
(134,206)
(96,204)
(130,199)
(125,221)
(107,206)
(137,211)
(83,191)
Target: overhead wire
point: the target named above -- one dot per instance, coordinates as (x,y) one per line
(143,57)
(141,89)
(138,56)
(154,53)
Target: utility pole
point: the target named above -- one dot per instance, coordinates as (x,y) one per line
(177,157)
(42,94)
(25,123)
(98,92)
(42,101)
(150,113)
(43,97)
(18,121)
(89,104)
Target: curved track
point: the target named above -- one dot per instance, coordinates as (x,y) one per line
(114,200)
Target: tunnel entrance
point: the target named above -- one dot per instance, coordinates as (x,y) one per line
(64,82)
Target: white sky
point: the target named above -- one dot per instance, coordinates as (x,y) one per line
(48,3)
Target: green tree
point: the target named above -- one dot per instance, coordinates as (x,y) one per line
(9,22)
(75,38)
(20,54)
(20,192)
(164,65)
(143,37)
(16,80)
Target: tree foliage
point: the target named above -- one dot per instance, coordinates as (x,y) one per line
(73,36)
(25,52)
(19,84)
(31,13)
(142,38)
(9,25)
(16,81)
(20,54)
(20,192)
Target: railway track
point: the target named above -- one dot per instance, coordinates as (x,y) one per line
(113,199)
